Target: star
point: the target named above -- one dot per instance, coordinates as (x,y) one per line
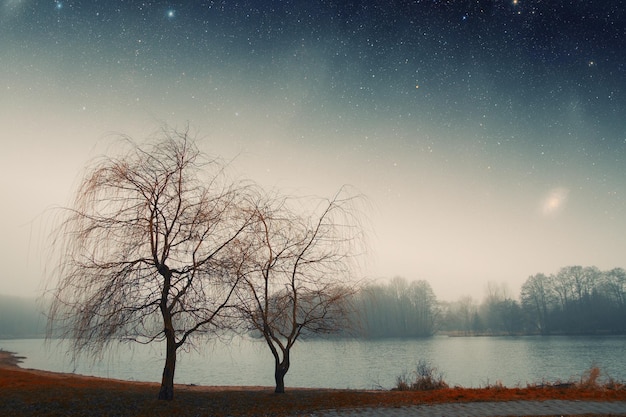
(171,13)
(58,5)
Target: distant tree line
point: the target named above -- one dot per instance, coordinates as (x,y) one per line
(397,309)
(497,314)
(575,300)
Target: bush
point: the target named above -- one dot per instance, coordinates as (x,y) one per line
(590,378)
(425,378)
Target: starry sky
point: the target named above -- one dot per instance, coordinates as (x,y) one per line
(489,136)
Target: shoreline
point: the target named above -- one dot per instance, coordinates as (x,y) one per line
(37,393)
(10,359)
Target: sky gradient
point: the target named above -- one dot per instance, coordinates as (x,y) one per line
(488,136)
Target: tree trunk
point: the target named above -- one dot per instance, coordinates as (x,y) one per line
(167,381)
(280,370)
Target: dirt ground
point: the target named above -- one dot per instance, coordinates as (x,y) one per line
(28,392)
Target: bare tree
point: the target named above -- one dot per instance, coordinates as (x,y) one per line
(538,297)
(614,285)
(297,274)
(144,250)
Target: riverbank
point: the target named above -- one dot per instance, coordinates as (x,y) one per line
(29,393)
(10,359)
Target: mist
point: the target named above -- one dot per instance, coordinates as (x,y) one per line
(489,143)
(21,318)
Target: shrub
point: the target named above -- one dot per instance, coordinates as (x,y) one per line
(425,378)
(402,382)
(589,379)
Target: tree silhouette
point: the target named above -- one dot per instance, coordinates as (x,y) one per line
(144,250)
(297,274)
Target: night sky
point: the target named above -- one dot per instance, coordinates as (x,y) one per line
(488,136)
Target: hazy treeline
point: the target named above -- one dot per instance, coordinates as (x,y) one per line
(575,300)
(397,309)
(498,313)
(21,318)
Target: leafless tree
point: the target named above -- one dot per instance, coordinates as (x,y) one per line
(614,285)
(144,250)
(538,297)
(298,273)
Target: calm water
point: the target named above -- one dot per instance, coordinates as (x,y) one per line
(470,362)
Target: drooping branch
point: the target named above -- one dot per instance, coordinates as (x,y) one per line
(146,246)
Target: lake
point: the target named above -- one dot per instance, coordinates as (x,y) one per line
(465,361)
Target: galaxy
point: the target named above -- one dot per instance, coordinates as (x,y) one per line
(488,136)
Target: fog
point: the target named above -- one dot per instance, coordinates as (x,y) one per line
(490,148)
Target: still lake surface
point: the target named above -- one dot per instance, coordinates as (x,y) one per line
(465,361)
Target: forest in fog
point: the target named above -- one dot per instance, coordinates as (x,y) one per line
(21,318)
(575,300)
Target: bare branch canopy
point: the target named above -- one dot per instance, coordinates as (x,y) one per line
(160,245)
(145,249)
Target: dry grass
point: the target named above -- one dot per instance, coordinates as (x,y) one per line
(42,394)
(30,393)
(424,378)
